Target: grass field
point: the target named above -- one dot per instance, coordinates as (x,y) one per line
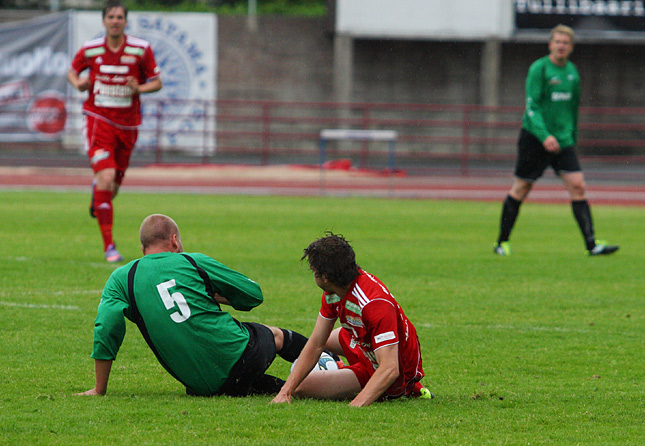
(543,347)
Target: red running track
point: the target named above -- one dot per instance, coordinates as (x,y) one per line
(303,181)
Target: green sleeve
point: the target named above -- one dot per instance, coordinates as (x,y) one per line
(109,326)
(242,292)
(576,104)
(535,101)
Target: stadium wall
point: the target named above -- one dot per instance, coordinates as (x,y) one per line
(292,59)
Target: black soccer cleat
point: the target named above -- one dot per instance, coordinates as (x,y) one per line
(602,249)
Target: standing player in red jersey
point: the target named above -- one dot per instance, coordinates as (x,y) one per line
(121,67)
(375,336)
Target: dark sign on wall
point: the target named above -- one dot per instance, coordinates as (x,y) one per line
(598,15)
(34,59)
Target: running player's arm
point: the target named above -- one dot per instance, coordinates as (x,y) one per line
(151,73)
(80,83)
(147,87)
(79,64)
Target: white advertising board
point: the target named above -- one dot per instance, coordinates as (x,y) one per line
(185,48)
(425,19)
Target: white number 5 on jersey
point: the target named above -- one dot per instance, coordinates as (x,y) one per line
(175,299)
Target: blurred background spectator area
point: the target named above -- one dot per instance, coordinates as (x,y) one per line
(449,79)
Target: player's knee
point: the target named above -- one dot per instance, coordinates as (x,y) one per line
(311,387)
(329,384)
(520,190)
(578,188)
(105,179)
(278,337)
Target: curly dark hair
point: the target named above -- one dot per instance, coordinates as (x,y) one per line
(111,4)
(333,257)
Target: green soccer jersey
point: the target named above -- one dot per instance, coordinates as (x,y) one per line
(552,98)
(193,338)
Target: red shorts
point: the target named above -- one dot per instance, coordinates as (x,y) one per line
(358,363)
(363,368)
(108,146)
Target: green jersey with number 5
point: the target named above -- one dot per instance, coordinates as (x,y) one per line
(192,337)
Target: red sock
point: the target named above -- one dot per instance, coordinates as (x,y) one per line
(103,212)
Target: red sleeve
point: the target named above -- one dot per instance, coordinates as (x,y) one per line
(149,65)
(328,310)
(380,320)
(79,64)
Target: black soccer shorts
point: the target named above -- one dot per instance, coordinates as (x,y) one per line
(533,159)
(247,376)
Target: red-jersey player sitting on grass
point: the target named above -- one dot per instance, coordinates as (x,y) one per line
(378,340)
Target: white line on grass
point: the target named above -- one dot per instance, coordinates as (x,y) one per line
(519,328)
(65,293)
(39,306)
(98,265)
(536,328)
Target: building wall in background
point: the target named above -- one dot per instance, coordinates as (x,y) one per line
(286,59)
(291,59)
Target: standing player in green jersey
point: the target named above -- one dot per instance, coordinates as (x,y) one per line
(175,298)
(548,137)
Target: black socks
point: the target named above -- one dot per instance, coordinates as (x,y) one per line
(292,345)
(510,210)
(582,212)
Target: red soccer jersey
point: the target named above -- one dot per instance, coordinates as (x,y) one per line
(109,98)
(374,318)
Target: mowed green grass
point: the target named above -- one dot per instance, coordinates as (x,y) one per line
(543,347)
